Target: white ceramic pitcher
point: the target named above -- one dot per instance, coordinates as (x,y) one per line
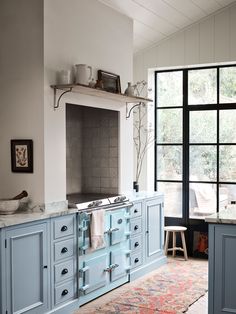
(83,74)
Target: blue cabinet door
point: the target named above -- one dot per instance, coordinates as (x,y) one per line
(154,228)
(222,269)
(27,264)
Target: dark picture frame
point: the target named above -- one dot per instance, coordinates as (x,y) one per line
(110,81)
(22,156)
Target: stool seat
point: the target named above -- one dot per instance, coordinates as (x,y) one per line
(174,230)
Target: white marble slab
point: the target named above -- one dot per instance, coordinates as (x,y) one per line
(138,196)
(29,216)
(226,216)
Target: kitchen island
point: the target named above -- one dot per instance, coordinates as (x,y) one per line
(222,261)
(46,265)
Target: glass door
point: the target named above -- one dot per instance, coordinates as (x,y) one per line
(169,140)
(195,153)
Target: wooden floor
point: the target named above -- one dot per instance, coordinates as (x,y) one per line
(200,306)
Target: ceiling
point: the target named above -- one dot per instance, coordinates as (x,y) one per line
(155,20)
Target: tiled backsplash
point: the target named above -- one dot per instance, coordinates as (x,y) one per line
(92,150)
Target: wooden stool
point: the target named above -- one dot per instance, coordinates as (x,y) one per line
(175,229)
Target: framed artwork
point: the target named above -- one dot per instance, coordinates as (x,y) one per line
(22,156)
(110,81)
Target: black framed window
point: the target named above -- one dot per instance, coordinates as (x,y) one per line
(195,153)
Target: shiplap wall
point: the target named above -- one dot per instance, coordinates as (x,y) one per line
(212,40)
(209,41)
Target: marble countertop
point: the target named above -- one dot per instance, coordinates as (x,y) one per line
(137,196)
(21,217)
(226,216)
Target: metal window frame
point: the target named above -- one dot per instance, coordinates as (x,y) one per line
(185,140)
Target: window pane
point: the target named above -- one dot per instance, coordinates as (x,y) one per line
(227,126)
(203,126)
(170,89)
(227,193)
(169,162)
(227,163)
(228,85)
(169,125)
(202,200)
(202,163)
(202,87)
(173,198)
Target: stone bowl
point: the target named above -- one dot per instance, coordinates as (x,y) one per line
(8,207)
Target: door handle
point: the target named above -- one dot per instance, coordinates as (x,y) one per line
(109,231)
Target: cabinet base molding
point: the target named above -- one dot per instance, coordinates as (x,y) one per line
(67,308)
(137,273)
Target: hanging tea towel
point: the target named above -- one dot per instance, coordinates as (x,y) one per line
(97,229)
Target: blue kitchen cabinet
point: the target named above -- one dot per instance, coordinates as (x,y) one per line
(147,236)
(154,229)
(25,269)
(222,272)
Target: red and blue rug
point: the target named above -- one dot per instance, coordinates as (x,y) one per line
(169,290)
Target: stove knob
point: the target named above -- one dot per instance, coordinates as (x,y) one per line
(117,199)
(122,198)
(93,204)
(98,203)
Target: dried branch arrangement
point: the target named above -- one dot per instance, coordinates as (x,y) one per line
(143,133)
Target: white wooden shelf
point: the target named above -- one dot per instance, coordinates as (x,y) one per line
(86,90)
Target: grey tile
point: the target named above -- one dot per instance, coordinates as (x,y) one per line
(113,172)
(113,152)
(104,163)
(105,172)
(105,182)
(113,162)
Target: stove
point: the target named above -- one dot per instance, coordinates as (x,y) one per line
(96,201)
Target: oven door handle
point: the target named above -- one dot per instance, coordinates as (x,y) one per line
(109,231)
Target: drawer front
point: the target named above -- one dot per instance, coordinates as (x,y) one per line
(136,243)
(64,226)
(64,292)
(136,226)
(136,210)
(64,271)
(63,249)
(136,259)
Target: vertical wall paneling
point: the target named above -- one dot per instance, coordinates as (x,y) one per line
(192,45)
(232,43)
(164,53)
(222,36)
(206,40)
(177,49)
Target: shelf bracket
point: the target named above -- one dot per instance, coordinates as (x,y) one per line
(128,111)
(56,102)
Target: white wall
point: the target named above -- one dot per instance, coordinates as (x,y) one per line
(36,42)
(212,40)
(21,92)
(83,31)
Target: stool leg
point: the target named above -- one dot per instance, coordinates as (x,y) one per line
(174,243)
(184,245)
(166,243)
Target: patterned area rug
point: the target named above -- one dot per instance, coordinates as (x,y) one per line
(170,290)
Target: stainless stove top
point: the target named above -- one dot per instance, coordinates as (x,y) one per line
(95,201)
